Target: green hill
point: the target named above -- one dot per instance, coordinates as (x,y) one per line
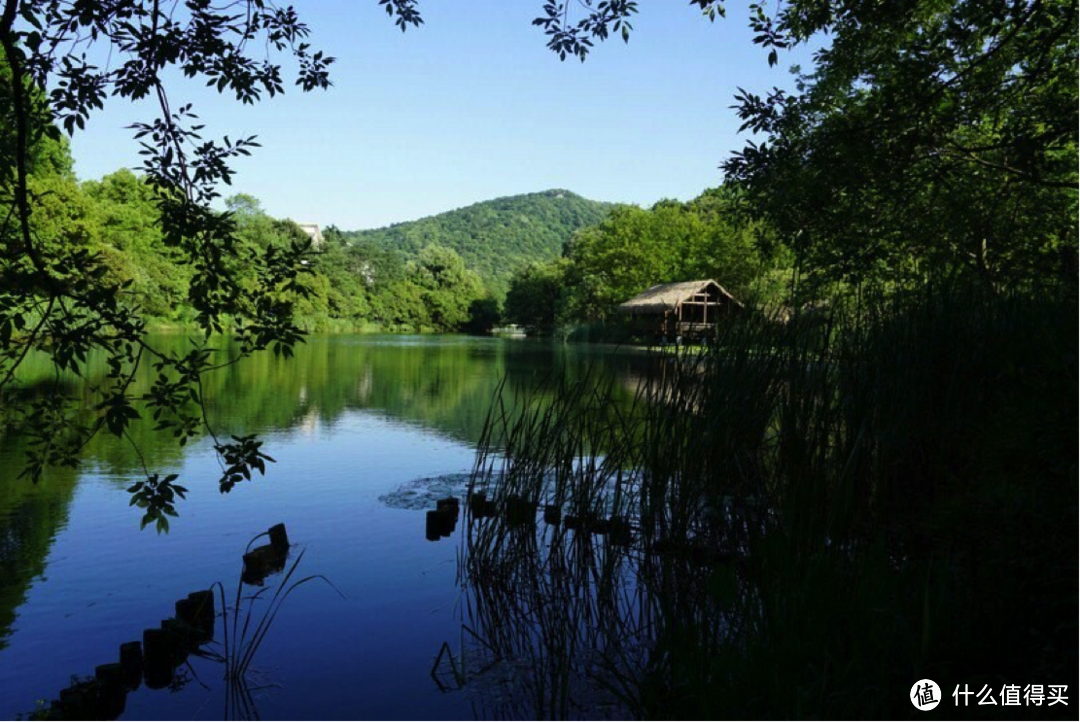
(496,237)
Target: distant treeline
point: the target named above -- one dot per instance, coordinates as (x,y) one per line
(444,273)
(551,262)
(350,285)
(547,261)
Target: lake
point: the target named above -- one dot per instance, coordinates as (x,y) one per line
(357,424)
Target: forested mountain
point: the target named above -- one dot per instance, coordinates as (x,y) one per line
(496,237)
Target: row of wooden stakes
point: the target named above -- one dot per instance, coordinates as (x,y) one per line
(163,649)
(518,511)
(152,662)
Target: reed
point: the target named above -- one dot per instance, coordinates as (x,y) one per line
(245,626)
(822,512)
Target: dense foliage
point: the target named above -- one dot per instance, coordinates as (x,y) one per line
(496,237)
(635,248)
(363,280)
(346,285)
(352,285)
(820,513)
(928,138)
(61,296)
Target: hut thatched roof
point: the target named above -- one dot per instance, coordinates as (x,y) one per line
(666,296)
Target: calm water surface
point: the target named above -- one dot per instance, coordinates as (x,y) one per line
(349,420)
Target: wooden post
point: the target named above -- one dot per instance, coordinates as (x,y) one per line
(181,639)
(620,531)
(552,514)
(203,604)
(260,563)
(131,661)
(73,702)
(188,613)
(476,503)
(279,539)
(111,690)
(433,526)
(157,658)
(520,511)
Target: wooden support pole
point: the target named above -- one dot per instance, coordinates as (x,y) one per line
(111,690)
(157,658)
(131,661)
(279,539)
(203,605)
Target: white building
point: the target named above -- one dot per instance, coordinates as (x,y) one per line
(312,229)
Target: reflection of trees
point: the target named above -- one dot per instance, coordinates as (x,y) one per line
(444,384)
(441,383)
(30,517)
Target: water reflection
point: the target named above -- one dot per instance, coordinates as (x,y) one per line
(350,419)
(441,383)
(577,622)
(30,517)
(205,627)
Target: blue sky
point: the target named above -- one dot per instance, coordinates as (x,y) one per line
(472,106)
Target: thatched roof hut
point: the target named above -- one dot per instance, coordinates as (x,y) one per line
(686,308)
(667,296)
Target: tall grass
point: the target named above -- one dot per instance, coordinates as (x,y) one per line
(824,511)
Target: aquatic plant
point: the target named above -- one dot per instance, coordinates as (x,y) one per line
(822,511)
(244,630)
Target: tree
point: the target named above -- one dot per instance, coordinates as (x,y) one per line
(448,289)
(130,237)
(928,137)
(928,134)
(484,315)
(637,248)
(537,299)
(59,296)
